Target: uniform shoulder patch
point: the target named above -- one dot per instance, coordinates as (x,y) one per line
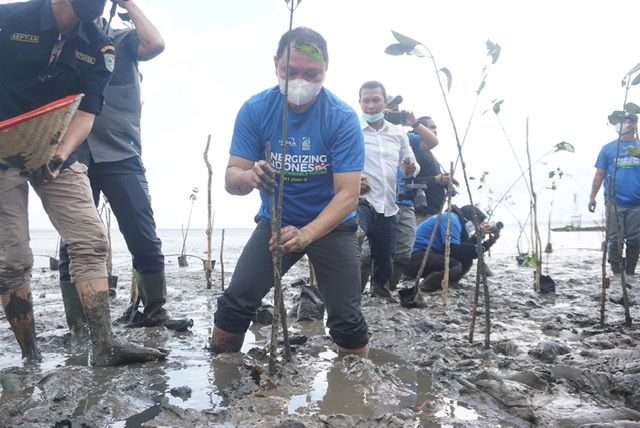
(109,61)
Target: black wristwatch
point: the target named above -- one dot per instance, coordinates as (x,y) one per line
(415,125)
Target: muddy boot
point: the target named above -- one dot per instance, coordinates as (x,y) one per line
(380,290)
(631,257)
(153,293)
(614,258)
(74,313)
(396,275)
(107,348)
(311,306)
(18,307)
(223,341)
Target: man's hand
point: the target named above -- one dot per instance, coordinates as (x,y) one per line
(409,166)
(592,204)
(365,187)
(264,177)
(45,173)
(292,239)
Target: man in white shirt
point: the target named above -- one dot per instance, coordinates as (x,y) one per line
(386,148)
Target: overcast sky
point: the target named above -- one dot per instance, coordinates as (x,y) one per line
(560,67)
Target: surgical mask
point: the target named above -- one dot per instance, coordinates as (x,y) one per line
(301,91)
(623,128)
(369,118)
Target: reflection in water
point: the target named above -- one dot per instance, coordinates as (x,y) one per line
(371,387)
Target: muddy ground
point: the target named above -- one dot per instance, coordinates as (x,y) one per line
(549,362)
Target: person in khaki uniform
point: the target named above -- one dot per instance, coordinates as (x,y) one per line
(50,49)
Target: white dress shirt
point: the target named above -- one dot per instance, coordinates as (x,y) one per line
(385,151)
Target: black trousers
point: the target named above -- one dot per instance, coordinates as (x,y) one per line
(125,186)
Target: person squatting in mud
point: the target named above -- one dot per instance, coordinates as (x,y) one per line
(463,245)
(319,200)
(50,49)
(112,152)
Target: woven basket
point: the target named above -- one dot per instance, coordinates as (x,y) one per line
(29,141)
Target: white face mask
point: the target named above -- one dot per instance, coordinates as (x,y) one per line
(301,91)
(623,128)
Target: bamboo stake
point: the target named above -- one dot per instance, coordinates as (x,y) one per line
(222,259)
(207,266)
(447,243)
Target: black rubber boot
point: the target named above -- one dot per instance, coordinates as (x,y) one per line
(153,291)
(631,257)
(396,276)
(73,310)
(614,258)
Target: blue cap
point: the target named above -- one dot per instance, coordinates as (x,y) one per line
(88,10)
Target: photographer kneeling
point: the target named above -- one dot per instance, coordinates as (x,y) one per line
(463,246)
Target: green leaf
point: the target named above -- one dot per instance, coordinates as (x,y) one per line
(493,50)
(636,80)
(482,84)
(530,261)
(632,108)
(616,117)
(565,146)
(398,49)
(311,51)
(633,151)
(416,51)
(634,69)
(496,106)
(447,73)
(551,174)
(404,40)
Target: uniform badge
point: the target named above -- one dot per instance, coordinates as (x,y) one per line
(109,61)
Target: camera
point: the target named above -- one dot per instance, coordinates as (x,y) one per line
(414,192)
(496,226)
(396,117)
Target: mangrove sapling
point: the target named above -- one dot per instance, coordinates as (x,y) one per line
(182,259)
(409,46)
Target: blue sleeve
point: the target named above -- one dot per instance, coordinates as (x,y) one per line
(347,149)
(414,141)
(246,141)
(602,162)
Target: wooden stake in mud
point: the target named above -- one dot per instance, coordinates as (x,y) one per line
(279,313)
(207,265)
(222,259)
(276,213)
(447,242)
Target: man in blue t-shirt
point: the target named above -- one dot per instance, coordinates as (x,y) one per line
(322,163)
(621,195)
